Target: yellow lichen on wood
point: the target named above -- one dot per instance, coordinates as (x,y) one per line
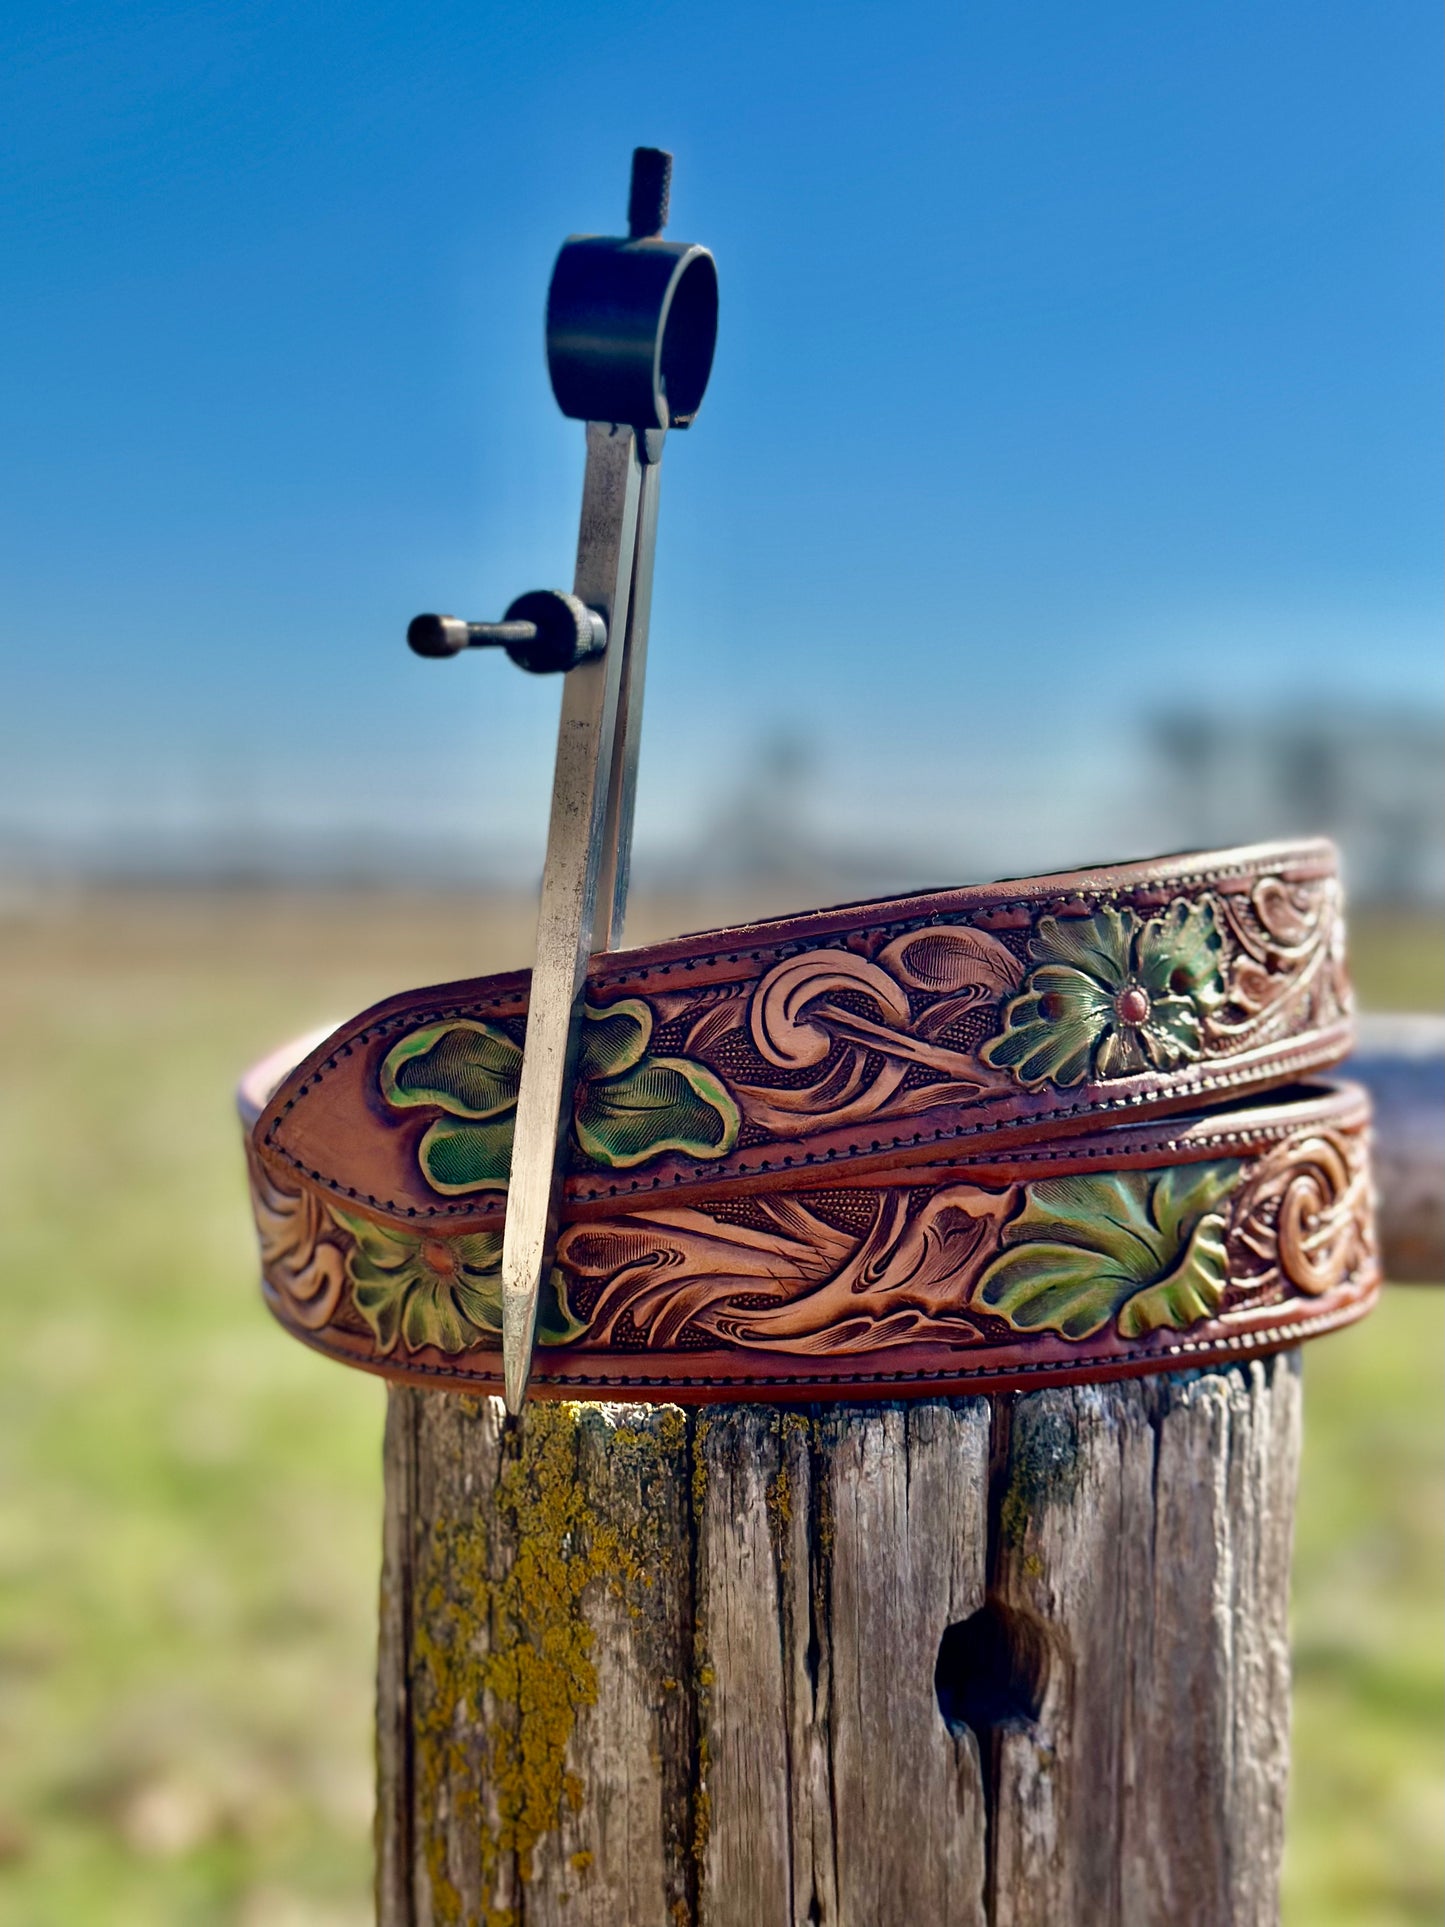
(826,1527)
(446,1685)
(495,1714)
(699,1466)
(780,1511)
(701,1803)
(540,1666)
(703,1676)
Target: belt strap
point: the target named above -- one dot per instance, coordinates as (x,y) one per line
(831,1101)
(862,1039)
(1138,1248)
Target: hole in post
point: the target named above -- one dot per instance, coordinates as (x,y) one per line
(813,1657)
(991,1671)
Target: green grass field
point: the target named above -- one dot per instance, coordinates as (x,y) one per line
(190,1503)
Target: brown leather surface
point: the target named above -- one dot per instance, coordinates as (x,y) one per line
(854,1040)
(915,1145)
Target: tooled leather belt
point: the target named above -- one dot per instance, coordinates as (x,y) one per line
(966,1140)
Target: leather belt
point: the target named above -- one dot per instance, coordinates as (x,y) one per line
(922,1144)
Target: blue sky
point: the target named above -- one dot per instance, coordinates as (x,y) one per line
(1075,364)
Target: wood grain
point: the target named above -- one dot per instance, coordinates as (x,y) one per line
(959,1661)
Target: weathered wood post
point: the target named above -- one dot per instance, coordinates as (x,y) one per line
(988,1660)
(1005,1660)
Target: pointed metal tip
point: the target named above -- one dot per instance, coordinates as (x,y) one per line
(515,1373)
(519,1324)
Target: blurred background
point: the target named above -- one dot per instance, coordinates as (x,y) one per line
(1068,489)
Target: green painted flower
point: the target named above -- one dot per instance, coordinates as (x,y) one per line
(1145,1248)
(627,1106)
(1112,995)
(438,1291)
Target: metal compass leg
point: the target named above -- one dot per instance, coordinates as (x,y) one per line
(575,844)
(616,873)
(631,328)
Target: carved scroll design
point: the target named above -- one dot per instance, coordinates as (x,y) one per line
(1104,995)
(1139,1251)
(838,1038)
(1288,966)
(300,1259)
(1304,1218)
(798,1023)
(799,1285)
(1057,1257)
(1136,1250)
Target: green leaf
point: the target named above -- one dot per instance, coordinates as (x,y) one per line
(1106,1211)
(1044,1285)
(556,1324)
(1143,1247)
(478,1253)
(1193,1290)
(661,1104)
(380,1298)
(467,1310)
(1183,1193)
(1173,1034)
(1123,1053)
(432,1316)
(470,1069)
(1050,1031)
(457,1158)
(384,1270)
(383,1249)
(1096,945)
(480,1300)
(628,1107)
(1179,951)
(614,1036)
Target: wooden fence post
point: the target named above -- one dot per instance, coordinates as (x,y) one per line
(985,1662)
(993,1662)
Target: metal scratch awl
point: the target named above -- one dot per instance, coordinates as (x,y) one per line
(631,328)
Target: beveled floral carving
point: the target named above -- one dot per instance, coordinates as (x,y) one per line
(1304,1217)
(1111,995)
(805,1016)
(794,1282)
(1287,965)
(859,1149)
(1143,1249)
(628,1105)
(302,1259)
(446,1292)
